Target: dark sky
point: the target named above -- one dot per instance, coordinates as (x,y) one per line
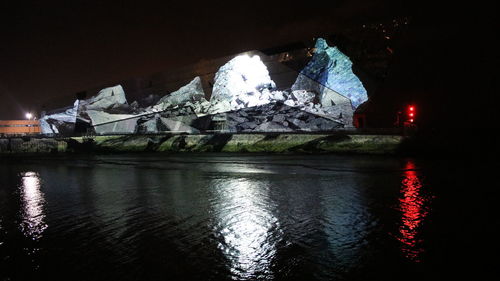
(51,49)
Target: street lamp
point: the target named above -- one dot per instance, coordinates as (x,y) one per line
(29,116)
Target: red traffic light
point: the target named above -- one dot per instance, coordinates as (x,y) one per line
(411,113)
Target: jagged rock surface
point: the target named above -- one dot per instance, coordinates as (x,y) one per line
(61,122)
(274,117)
(240,83)
(106,123)
(176,119)
(192,92)
(330,68)
(106,99)
(322,98)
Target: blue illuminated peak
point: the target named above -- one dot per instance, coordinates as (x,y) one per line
(333,69)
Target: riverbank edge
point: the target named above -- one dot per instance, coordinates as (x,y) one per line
(241,143)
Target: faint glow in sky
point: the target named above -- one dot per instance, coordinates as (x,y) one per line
(33,216)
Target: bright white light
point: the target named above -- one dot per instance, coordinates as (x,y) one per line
(241,81)
(29,116)
(253,71)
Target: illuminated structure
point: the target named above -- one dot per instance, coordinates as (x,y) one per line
(242,98)
(20,127)
(331,71)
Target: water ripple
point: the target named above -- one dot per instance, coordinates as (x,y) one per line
(200,218)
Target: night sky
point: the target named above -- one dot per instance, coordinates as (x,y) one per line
(446,63)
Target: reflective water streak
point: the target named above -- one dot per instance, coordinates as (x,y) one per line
(33,216)
(244,223)
(414,209)
(217,217)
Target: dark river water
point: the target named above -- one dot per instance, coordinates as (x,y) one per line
(242,217)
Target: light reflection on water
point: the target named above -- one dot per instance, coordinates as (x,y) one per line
(414,209)
(240,218)
(33,216)
(248,229)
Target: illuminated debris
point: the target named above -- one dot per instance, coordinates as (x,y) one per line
(330,68)
(177,126)
(192,92)
(179,107)
(147,125)
(106,98)
(322,98)
(190,95)
(240,83)
(109,100)
(106,123)
(156,124)
(275,117)
(45,127)
(175,119)
(60,122)
(199,107)
(303,97)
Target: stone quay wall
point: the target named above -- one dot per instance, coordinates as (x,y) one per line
(251,143)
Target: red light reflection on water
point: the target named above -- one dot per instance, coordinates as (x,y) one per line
(414,210)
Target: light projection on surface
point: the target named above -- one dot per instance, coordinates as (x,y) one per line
(333,69)
(326,90)
(244,75)
(241,82)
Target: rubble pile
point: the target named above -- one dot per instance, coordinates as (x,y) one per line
(244,99)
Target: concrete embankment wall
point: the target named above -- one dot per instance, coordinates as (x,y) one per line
(275,143)
(32,145)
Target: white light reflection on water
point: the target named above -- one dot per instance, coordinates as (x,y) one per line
(33,216)
(248,229)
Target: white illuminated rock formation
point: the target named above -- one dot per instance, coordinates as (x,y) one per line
(105,123)
(106,98)
(330,103)
(330,69)
(190,95)
(60,122)
(191,92)
(323,97)
(240,83)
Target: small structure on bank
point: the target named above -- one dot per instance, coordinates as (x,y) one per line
(19,127)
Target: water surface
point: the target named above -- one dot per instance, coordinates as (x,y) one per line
(231,217)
